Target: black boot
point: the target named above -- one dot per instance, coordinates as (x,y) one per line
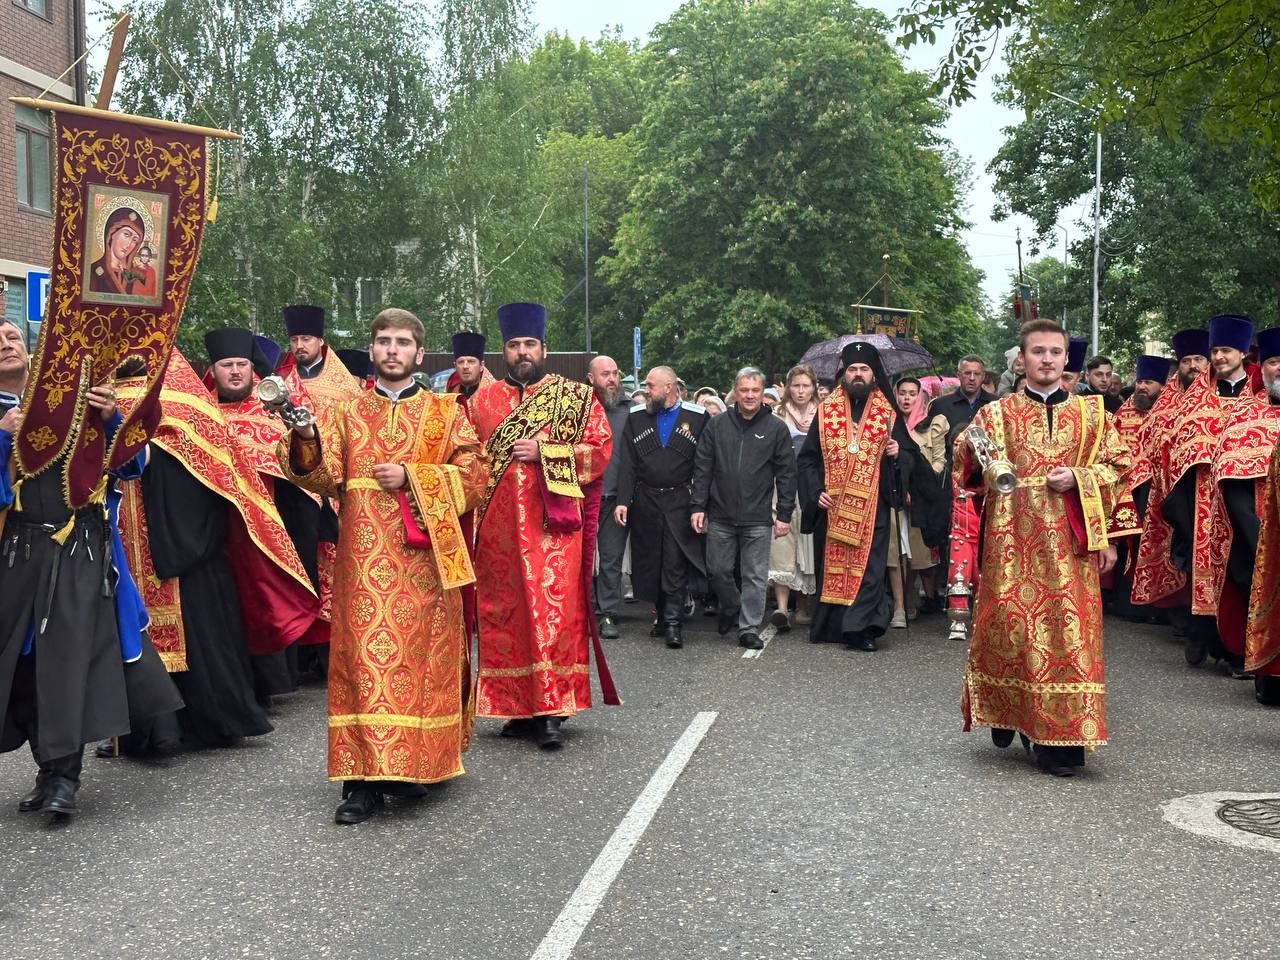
(62,776)
(60,798)
(34,800)
(672,636)
(360,801)
(548,735)
(1001,738)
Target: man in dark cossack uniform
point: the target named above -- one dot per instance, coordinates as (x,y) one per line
(656,454)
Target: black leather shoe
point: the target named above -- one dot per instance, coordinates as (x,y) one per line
(608,629)
(864,643)
(548,735)
(1266,690)
(60,797)
(34,800)
(358,806)
(106,750)
(726,621)
(673,638)
(520,727)
(1049,760)
(751,641)
(1001,738)
(1197,650)
(657,629)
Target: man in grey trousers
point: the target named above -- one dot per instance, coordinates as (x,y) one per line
(743,456)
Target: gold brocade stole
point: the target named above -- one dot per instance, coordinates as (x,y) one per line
(438,494)
(854,469)
(162,598)
(564,406)
(1093,417)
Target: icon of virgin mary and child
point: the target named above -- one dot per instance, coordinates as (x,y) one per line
(125,267)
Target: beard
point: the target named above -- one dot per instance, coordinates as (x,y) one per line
(857,390)
(526,371)
(1273,390)
(234,394)
(608,398)
(1187,379)
(1143,402)
(655,407)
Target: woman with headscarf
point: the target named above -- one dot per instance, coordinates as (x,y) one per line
(791,565)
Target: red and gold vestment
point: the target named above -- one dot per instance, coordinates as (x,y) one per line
(334,383)
(275,593)
(851,458)
(1156,580)
(1262,634)
(1244,453)
(534,547)
(399,671)
(1193,446)
(1035,662)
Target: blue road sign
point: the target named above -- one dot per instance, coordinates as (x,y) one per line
(37,295)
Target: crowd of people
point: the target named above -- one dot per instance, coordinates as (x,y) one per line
(438,557)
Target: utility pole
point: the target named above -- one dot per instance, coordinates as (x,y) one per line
(1097,215)
(586,252)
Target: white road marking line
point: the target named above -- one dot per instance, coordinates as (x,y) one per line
(564,934)
(767,634)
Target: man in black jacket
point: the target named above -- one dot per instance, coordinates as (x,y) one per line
(743,456)
(655,456)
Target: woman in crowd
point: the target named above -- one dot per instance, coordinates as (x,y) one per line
(931,434)
(791,565)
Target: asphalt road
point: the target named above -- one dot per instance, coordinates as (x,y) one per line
(833,809)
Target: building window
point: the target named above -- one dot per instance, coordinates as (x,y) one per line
(39,7)
(35,149)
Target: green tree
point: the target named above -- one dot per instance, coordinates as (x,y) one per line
(1184,236)
(783,147)
(331,101)
(1158,63)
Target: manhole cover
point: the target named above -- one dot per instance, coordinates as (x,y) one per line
(1250,820)
(1253,816)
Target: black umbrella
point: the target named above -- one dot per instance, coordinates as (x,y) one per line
(897,353)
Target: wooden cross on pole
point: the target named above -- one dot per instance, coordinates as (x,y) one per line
(113,64)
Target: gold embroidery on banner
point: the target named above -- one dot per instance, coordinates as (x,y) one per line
(40,439)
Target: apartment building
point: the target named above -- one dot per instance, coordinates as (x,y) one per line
(39,40)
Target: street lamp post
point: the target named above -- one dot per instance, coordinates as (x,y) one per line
(1065,268)
(1097,216)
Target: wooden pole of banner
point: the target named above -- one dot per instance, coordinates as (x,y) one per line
(113,63)
(60,107)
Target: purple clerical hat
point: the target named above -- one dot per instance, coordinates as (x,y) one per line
(469,344)
(303,320)
(1191,343)
(522,320)
(1077,350)
(1268,344)
(1149,367)
(1231,330)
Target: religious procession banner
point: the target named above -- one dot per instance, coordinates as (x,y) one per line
(130,204)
